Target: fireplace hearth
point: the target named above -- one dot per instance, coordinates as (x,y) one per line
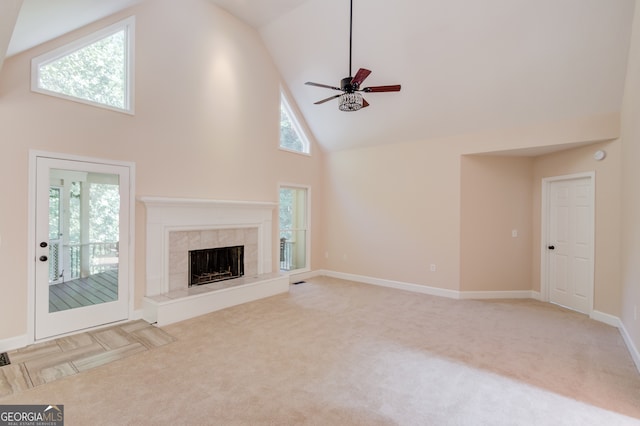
(215,264)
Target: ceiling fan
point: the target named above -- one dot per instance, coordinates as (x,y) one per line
(351,99)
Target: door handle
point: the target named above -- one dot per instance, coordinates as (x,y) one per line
(43,258)
(551,247)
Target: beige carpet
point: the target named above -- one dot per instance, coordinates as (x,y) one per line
(333,352)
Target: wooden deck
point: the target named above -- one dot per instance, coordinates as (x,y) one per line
(95,289)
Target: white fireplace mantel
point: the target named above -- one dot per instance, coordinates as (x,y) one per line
(179,214)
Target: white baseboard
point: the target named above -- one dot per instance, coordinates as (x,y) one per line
(633,350)
(453,294)
(484,295)
(616,322)
(14,343)
(606,318)
(301,276)
(433,291)
(416,288)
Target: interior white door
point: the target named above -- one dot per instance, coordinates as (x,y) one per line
(570,243)
(81,246)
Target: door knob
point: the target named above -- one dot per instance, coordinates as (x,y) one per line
(551,247)
(43,244)
(43,258)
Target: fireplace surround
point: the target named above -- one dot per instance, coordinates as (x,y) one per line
(176,226)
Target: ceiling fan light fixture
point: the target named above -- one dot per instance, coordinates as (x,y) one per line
(350,102)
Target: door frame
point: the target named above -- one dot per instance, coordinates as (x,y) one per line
(31,231)
(544,235)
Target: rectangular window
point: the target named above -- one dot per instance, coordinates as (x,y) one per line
(294,234)
(96,69)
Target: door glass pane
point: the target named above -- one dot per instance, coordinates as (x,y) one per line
(88,239)
(293,228)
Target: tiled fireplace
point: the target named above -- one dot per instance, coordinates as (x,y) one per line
(182,243)
(177,226)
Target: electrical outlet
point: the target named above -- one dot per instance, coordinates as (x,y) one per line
(326,254)
(432,268)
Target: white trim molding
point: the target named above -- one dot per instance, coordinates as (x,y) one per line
(416,288)
(127,26)
(14,343)
(485,295)
(633,350)
(180,214)
(478,295)
(424,289)
(606,318)
(31,229)
(546,183)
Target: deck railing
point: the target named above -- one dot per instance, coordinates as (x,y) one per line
(102,257)
(286,255)
(55,261)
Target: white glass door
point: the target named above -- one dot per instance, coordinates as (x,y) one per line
(81,264)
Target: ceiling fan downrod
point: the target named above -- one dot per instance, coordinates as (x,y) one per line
(350,36)
(351,99)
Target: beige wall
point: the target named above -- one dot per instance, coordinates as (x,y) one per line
(206,126)
(496,200)
(630,190)
(391,211)
(503,193)
(607,290)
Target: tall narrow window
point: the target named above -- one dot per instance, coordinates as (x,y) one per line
(294,233)
(96,69)
(292,137)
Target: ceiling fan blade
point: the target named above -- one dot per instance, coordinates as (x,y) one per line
(326,100)
(365,103)
(308,83)
(360,76)
(393,88)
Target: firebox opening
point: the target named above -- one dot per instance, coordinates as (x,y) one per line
(215,264)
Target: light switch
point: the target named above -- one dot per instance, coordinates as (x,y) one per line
(514,233)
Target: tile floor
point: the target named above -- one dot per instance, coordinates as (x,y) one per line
(45,362)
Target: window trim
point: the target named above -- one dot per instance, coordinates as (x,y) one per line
(128,25)
(297,127)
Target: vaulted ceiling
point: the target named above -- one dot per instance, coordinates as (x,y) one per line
(464,65)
